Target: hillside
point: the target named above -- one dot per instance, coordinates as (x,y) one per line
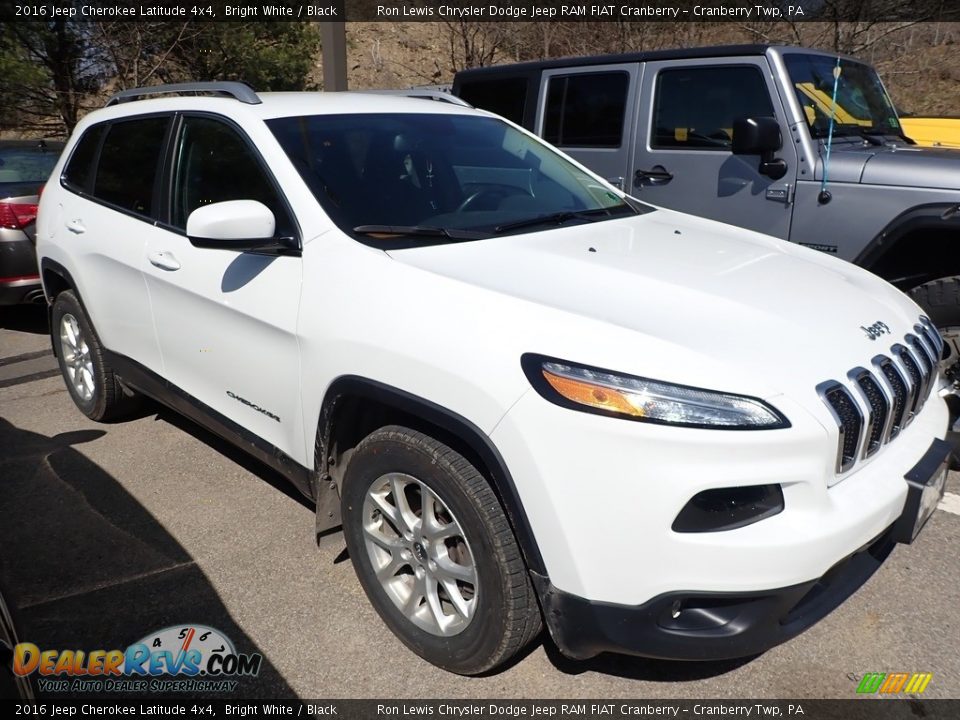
(920,65)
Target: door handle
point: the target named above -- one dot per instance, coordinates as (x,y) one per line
(164,260)
(76,226)
(657,175)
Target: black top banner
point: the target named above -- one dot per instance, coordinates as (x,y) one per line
(480,10)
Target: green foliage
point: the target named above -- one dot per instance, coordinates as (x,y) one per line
(266,55)
(55,71)
(48,67)
(17,72)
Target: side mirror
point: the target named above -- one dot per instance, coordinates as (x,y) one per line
(760,136)
(756,136)
(239,225)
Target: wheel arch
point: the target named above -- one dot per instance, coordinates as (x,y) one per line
(355,406)
(915,247)
(56,279)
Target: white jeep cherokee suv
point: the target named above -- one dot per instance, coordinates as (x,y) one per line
(526,397)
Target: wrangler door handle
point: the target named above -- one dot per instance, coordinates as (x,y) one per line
(164,260)
(76,226)
(657,175)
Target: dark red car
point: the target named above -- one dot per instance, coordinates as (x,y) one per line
(25,166)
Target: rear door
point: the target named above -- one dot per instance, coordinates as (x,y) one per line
(589,114)
(683,157)
(107,218)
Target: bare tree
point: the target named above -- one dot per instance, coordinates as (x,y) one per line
(137,52)
(473,44)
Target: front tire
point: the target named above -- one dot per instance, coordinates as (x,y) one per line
(434,552)
(92,383)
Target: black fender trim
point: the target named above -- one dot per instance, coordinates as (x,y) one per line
(466,431)
(935,216)
(48,265)
(145,381)
(57,269)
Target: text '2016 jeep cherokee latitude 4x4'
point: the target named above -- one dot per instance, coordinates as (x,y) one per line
(525,396)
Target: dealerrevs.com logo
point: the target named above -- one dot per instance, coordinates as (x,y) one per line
(183,658)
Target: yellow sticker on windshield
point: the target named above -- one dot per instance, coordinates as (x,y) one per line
(680,134)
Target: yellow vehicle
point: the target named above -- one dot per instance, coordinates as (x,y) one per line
(934,131)
(930,131)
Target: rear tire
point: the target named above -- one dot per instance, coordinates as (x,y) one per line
(434,552)
(94,386)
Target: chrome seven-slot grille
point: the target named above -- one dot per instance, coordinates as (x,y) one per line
(881,401)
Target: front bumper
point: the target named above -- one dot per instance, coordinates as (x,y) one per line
(704,626)
(720,626)
(601,495)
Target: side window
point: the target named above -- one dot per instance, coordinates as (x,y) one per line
(80,168)
(694,108)
(130,162)
(586,110)
(505,97)
(214,164)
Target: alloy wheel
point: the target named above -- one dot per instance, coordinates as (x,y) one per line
(76,357)
(420,555)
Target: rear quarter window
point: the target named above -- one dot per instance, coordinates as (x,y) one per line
(506,97)
(79,168)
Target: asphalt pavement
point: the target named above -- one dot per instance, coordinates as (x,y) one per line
(109,532)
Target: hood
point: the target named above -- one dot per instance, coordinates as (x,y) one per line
(914,167)
(693,293)
(894,164)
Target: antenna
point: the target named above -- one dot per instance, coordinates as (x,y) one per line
(824,197)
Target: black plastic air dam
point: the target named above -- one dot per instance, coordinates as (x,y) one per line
(953,428)
(723,626)
(728,508)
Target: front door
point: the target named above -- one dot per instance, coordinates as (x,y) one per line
(226,320)
(683,151)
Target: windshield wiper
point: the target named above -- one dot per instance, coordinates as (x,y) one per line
(878,131)
(419,231)
(873,135)
(559,218)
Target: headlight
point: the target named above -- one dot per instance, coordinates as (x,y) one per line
(634,398)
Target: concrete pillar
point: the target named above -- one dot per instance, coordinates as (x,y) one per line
(333,35)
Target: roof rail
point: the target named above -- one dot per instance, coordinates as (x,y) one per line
(237,90)
(422,93)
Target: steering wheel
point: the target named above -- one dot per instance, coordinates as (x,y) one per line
(495,193)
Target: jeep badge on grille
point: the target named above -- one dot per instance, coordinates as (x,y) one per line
(876,330)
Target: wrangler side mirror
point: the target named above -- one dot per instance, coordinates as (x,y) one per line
(760,136)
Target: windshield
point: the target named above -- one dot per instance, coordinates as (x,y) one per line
(440,176)
(863,106)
